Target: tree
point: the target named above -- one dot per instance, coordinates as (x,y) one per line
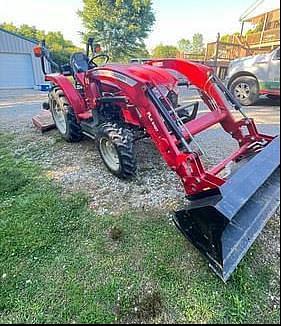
(197,43)
(24,30)
(185,45)
(10,27)
(120,26)
(141,52)
(258,28)
(226,38)
(229,38)
(165,51)
(28,31)
(60,48)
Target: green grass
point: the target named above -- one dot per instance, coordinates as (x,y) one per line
(61,263)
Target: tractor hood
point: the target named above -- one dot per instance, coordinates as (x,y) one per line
(129,74)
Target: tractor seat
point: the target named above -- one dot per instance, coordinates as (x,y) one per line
(79,62)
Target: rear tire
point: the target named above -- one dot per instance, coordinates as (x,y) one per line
(64,116)
(116,148)
(245,89)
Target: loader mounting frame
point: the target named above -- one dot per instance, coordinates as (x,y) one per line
(152,112)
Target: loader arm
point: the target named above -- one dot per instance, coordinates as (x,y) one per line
(171,139)
(225,216)
(166,135)
(218,99)
(224,225)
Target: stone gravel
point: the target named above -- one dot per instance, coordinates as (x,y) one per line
(78,167)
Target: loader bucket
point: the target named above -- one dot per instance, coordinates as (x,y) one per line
(223,226)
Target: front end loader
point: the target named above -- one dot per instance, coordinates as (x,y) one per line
(116,105)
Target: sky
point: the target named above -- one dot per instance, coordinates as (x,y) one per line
(175,19)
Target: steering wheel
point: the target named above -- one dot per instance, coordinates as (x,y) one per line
(107,58)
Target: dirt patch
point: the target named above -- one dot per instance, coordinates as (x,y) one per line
(148,306)
(116,233)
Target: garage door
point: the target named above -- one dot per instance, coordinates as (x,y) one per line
(16,71)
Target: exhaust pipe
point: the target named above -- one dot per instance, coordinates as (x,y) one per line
(225,225)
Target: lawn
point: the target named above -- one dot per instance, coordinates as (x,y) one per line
(62,263)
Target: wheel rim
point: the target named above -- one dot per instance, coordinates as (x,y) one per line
(110,154)
(59,117)
(242,91)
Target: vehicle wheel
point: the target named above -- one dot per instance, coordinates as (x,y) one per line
(116,148)
(64,116)
(246,90)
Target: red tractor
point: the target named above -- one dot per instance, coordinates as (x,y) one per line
(117,104)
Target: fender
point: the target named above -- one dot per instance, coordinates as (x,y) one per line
(74,98)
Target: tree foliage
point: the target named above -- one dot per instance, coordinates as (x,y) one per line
(60,48)
(120,26)
(165,51)
(229,38)
(196,47)
(197,43)
(226,38)
(185,45)
(257,29)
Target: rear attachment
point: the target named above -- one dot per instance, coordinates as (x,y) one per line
(224,225)
(44,121)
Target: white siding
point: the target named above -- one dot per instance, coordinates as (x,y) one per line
(12,44)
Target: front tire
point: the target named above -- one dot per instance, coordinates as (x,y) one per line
(116,148)
(64,116)
(245,89)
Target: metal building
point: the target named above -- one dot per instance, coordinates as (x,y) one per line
(19,68)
